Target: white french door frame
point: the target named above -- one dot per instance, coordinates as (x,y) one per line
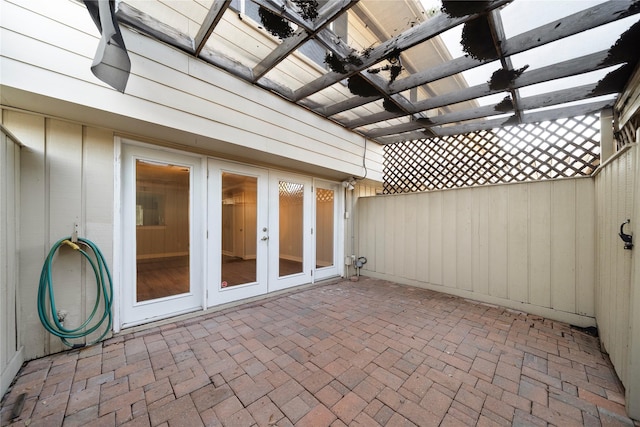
(131,312)
(205,225)
(216,293)
(277,282)
(337,269)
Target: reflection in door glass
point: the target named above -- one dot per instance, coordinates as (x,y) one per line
(239,226)
(291,197)
(162,230)
(324,228)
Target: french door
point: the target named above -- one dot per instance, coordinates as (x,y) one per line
(290,243)
(199,232)
(162,239)
(238,232)
(261,227)
(327,232)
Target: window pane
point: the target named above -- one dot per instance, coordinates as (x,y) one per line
(324,227)
(291,227)
(162,230)
(239,226)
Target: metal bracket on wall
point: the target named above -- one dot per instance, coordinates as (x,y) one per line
(626,238)
(74,234)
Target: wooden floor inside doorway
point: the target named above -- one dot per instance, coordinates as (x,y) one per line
(159,278)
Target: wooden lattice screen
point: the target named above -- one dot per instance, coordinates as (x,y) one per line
(546,150)
(627,135)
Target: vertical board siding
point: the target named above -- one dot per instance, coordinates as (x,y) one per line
(449,239)
(614,205)
(422,235)
(97,208)
(563,246)
(529,246)
(585,244)
(464,278)
(498,239)
(64,184)
(11,356)
(480,240)
(540,244)
(410,245)
(67,178)
(434,218)
(391,260)
(518,243)
(30,130)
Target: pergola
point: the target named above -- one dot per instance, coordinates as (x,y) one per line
(402,93)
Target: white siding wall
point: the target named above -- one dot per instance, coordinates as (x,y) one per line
(617,285)
(528,246)
(67,177)
(47,51)
(11,351)
(67,120)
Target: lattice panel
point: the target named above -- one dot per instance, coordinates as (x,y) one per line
(324,195)
(290,192)
(546,150)
(627,135)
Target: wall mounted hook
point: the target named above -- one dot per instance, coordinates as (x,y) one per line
(626,238)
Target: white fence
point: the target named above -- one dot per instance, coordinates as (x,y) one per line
(527,246)
(618,270)
(11,355)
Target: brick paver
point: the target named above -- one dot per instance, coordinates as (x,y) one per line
(334,354)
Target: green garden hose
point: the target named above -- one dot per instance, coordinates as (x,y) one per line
(47,303)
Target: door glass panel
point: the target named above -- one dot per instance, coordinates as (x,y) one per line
(239,227)
(162,230)
(324,227)
(291,198)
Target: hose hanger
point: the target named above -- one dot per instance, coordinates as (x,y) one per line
(52,319)
(626,238)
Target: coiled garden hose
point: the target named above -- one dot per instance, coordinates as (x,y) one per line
(46,297)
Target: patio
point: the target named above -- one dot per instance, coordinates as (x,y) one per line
(337,353)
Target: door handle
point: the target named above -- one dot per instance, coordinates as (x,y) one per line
(265,238)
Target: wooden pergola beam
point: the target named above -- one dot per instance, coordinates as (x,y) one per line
(499,37)
(584,64)
(527,118)
(304,33)
(214,15)
(573,24)
(533,102)
(154,28)
(415,35)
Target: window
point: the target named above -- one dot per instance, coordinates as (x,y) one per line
(311,49)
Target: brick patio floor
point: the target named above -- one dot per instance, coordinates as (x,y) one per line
(367,353)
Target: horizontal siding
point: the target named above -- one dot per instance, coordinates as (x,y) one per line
(11,356)
(528,246)
(49,50)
